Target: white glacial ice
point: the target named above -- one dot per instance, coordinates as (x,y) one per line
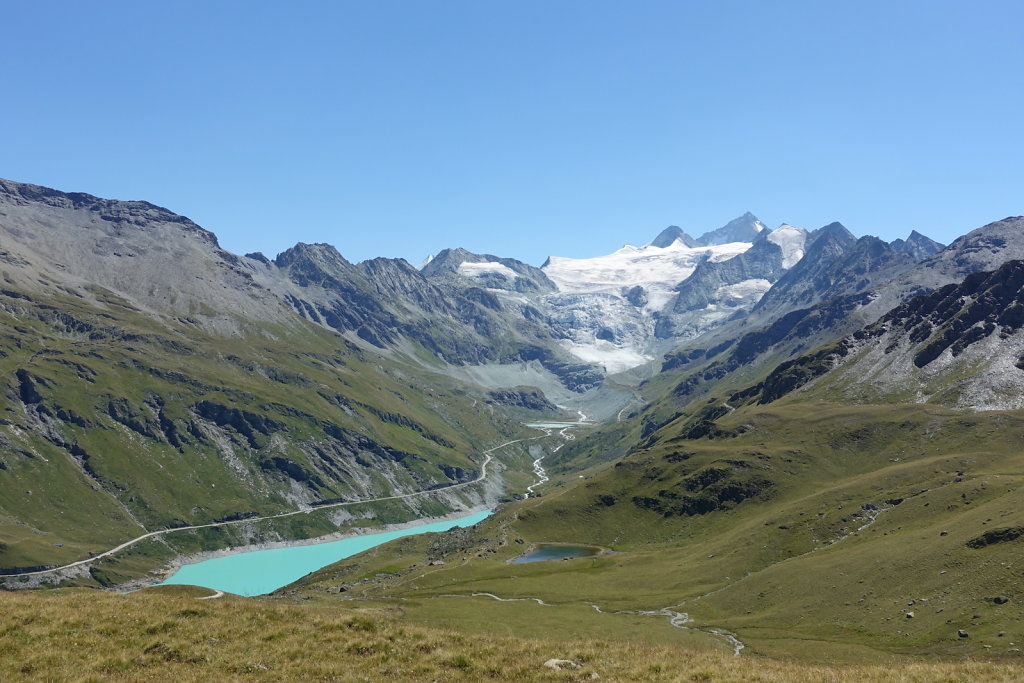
(657,269)
(792,241)
(590,307)
(608,355)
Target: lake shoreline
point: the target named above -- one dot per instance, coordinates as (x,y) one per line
(538,545)
(158,576)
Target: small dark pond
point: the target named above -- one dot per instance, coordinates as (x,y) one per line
(557,551)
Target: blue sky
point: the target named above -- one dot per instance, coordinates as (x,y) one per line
(522,128)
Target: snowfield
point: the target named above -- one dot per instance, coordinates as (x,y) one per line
(657,269)
(468,269)
(621,311)
(605,320)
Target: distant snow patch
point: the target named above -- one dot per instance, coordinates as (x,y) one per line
(468,269)
(748,291)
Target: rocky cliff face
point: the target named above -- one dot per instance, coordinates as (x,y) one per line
(746,228)
(155,260)
(917,245)
(849,284)
(487,270)
(961,346)
(166,265)
(723,290)
(573,321)
(670,234)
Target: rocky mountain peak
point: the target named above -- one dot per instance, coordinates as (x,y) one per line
(258,256)
(487,270)
(792,241)
(917,245)
(743,229)
(115,213)
(320,254)
(447,261)
(985,248)
(314,264)
(835,232)
(671,234)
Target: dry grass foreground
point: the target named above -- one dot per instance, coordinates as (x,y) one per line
(167,634)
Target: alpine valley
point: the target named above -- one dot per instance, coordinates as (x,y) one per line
(786,454)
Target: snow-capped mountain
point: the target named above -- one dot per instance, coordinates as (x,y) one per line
(492,321)
(746,228)
(628,307)
(657,269)
(670,234)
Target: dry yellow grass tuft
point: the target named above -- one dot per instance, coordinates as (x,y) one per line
(168,634)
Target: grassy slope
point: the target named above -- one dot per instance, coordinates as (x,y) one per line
(768,568)
(168,634)
(82,357)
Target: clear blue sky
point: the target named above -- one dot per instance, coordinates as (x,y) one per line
(520,127)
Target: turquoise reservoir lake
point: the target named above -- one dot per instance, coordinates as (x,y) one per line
(263,571)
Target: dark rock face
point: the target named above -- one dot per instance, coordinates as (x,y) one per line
(917,245)
(762,261)
(996,536)
(292,469)
(795,373)
(810,280)
(672,233)
(707,490)
(957,316)
(637,296)
(954,317)
(529,398)
(110,210)
(527,278)
(576,376)
(250,425)
(27,391)
(743,229)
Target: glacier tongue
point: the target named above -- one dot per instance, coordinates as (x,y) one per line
(609,356)
(606,307)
